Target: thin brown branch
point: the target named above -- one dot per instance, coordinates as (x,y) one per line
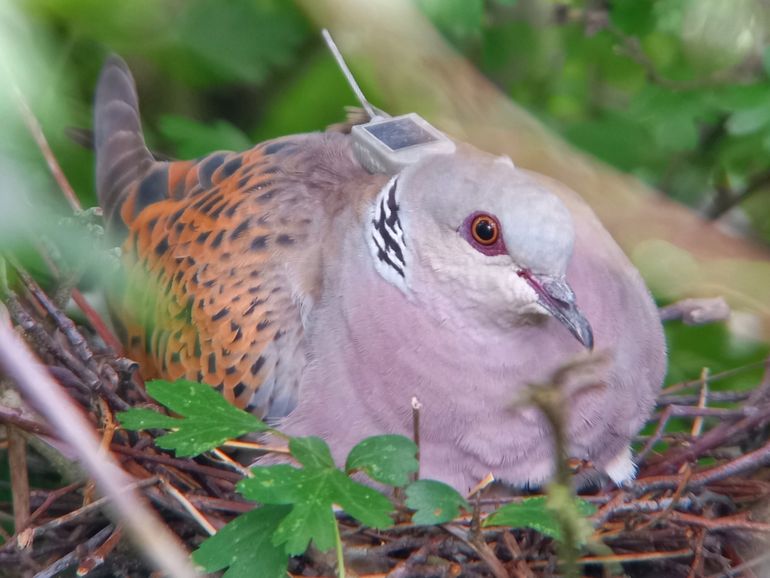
(90,508)
(52,496)
(17,460)
(181,464)
(69,560)
(641,557)
(481,548)
(100,554)
(190,508)
(34,128)
(147,530)
(10,416)
(738,522)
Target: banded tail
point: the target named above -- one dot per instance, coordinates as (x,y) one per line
(121,154)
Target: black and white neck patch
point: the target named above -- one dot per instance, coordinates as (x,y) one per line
(386,236)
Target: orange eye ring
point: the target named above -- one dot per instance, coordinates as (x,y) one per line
(485,230)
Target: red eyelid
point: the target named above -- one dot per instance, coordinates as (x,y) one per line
(496,248)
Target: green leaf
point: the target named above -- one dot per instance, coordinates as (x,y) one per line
(434,501)
(360,501)
(312,491)
(388,459)
(242,42)
(194,139)
(310,520)
(141,418)
(634,17)
(535,513)
(457,19)
(749,120)
(311,452)
(245,544)
(207,419)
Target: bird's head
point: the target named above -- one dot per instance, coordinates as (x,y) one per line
(473,238)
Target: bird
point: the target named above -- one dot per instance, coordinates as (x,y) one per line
(325,297)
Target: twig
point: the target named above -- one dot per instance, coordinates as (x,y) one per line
(146,529)
(741,569)
(220,505)
(416,407)
(241,445)
(756,184)
(522,569)
(12,416)
(696,568)
(71,559)
(34,128)
(481,548)
(87,509)
(738,522)
(192,510)
(188,465)
(17,460)
(696,311)
(51,498)
(645,556)
(676,387)
(714,438)
(232,464)
(100,554)
(697,424)
(36,131)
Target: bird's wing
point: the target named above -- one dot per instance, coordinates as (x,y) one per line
(207,298)
(219,254)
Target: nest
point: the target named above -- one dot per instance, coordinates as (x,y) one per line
(696,508)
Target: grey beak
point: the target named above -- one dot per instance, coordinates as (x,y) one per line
(558,298)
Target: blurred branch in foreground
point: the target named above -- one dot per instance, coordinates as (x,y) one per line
(680,254)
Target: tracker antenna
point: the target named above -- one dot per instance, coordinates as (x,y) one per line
(349,75)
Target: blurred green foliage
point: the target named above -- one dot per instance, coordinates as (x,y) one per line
(676,92)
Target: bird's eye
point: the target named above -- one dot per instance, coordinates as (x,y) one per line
(485,230)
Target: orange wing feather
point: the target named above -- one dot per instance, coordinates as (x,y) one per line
(202,301)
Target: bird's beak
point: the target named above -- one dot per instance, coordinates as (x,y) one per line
(558,298)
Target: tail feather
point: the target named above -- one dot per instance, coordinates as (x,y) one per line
(121,154)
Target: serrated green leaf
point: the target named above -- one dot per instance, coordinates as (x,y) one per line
(246,544)
(207,419)
(534,513)
(285,485)
(141,418)
(311,452)
(311,520)
(362,502)
(434,502)
(313,491)
(388,459)
(281,484)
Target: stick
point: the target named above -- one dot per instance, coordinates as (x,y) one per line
(147,530)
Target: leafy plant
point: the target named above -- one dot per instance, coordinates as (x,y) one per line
(207,421)
(298,502)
